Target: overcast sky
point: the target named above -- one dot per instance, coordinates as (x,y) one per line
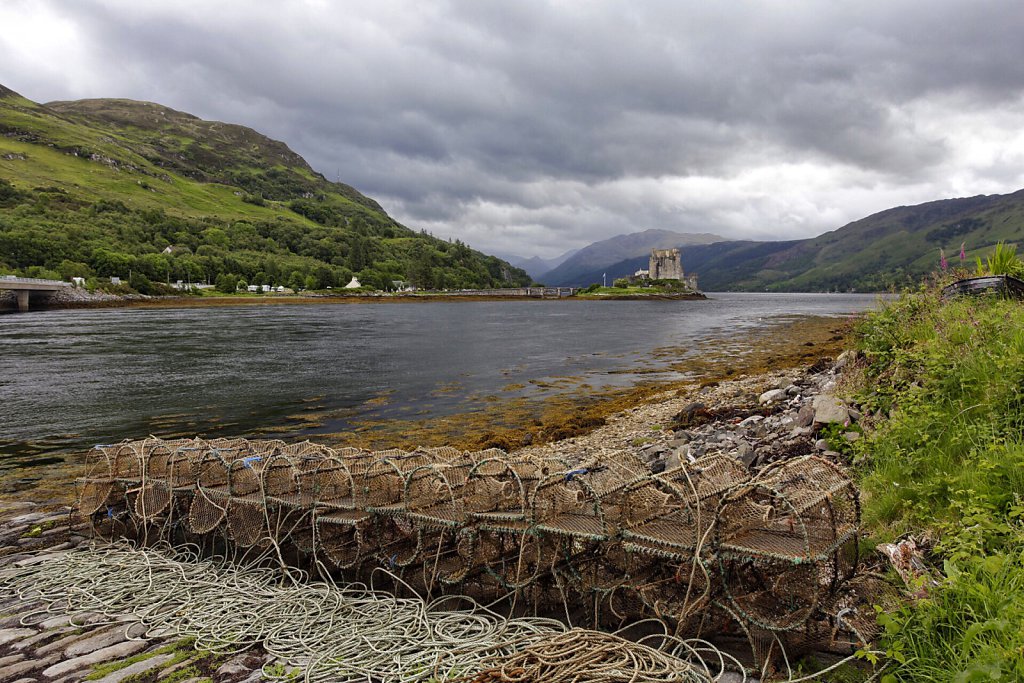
(528,127)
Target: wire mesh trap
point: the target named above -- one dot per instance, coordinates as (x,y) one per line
(704,547)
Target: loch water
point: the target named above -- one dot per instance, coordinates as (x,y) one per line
(70,379)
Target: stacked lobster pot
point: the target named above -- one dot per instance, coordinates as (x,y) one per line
(706,546)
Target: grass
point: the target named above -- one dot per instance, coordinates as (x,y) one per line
(948,466)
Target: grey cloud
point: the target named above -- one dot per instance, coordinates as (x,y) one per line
(501,122)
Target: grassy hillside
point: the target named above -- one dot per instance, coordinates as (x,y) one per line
(892,248)
(104,187)
(945,464)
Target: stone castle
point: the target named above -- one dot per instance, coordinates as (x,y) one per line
(666,265)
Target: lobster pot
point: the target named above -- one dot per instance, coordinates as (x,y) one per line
(397,540)
(786,541)
(517,561)
(339,538)
(152,499)
(208,508)
(495,490)
(281,477)
(455,559)
(566,504)
(384,481)
(127,463)
(160,457)
(99,462)
(707,479)
(182,469)
(246,522)
(434,493)
(330,485)
(96,495)
(245,480)
(680,589)
(303,535)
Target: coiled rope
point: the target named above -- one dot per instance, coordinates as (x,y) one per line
(330,632)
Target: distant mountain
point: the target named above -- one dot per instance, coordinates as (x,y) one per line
(892,248)
(601,254)
(536,266)
(109,187)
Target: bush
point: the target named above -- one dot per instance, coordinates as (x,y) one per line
(620,283)
(227,283)
(949,461)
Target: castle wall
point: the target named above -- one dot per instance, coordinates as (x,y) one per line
(665,265)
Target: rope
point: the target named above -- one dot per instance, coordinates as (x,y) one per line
(329,632)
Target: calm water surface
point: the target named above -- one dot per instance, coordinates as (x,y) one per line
(71,379)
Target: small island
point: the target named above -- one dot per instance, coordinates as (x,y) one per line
(663,279)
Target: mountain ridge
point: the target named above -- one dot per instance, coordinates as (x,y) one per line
(894,247)
(629,245)
(81,180)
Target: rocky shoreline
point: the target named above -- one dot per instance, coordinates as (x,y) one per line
(758,419)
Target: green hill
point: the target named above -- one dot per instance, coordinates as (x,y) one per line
(107,187)
(892,248)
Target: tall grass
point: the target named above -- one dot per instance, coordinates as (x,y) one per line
(949,463)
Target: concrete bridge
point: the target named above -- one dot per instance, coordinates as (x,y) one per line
(23,286)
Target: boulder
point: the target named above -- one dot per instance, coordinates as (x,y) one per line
(745,453)
(829,409)
(805,417)
(771,396)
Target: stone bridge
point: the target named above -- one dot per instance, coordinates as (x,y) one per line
(23,286)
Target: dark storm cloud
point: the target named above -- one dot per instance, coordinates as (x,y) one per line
(532,126)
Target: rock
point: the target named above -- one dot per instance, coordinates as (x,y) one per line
(821,445)
(107,654)
(805,416)
(12,671)
(845,359)
(771,396)
(239,665)
(10,659)
(674,459)
(752,420)
(745,453)
(792,390)
(42,636)
(10,635)
(658,466)
(682,438)
(828,409)
(96,642)
(852,436)
(801,431)
(137,669)
(654,450)
(855,414)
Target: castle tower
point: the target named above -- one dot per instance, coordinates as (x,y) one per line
(665,265)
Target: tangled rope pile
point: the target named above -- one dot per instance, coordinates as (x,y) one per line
(705,547)
(330,632)
(583,655)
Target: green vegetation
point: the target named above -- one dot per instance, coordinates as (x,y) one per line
(103,188)
(948,465)
(624,287)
